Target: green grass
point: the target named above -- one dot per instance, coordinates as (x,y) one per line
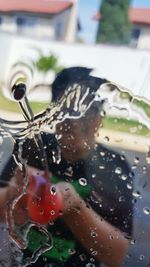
(116,124)
(12,106)
(124,125)
(143,105)
(139,103)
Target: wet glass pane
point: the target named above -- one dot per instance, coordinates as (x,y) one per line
(74,143)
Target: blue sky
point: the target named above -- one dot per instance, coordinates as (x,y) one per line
(87,8)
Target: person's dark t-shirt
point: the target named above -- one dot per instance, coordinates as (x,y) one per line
(101,179)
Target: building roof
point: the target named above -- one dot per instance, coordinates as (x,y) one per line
(136,15)
(35,6)
(139,15)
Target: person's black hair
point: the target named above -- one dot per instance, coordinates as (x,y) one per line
(74,75)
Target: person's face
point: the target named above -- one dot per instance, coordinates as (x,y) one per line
(77,136)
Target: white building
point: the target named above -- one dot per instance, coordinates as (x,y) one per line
(53,20)
(140,18)
(140,33)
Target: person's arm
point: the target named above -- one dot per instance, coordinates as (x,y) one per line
(11,191)
(106,244)
(3,202)
(6,195)
(102,240)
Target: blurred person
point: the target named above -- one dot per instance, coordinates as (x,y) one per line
(97,219)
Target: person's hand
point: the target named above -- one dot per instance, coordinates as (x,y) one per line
(16,184)
(9,193)
(50,201)
(71,199)
(15,190)
(65,191)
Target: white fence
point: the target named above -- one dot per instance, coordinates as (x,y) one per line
(127,67)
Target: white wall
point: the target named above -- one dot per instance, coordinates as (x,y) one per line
(8,24)
(45,28)
(6,41)
(68,20)
(71,25)
(63,20)
(144,39)
(127,67)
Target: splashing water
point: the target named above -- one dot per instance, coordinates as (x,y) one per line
(74,104)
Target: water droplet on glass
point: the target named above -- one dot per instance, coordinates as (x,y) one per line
(90,264)
(83,181)
(51,222)
(144,168)
(95,198)
(148,160)
(122,157)
(102,113)
(136,194)
(92,260)
(71,251)
(106,139)
(94,253)
(134,166)
(45,259)
(102,153)
(124,177)
(146,211)
(58,136)
(141,257)
(121,199)
(93,234)
(101,167)
(133,241)
(52,212)
(136,160)
(118,170)
(53,190)
(82,257)
(129,186)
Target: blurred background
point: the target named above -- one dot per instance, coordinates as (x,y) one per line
(38,38)
(112,37)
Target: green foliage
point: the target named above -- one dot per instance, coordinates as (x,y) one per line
(43,63)
(143,105)
(46,63)
(114,26)
(125,125)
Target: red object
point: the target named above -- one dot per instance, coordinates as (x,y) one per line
(35,6)
(139,15)
(44,202)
